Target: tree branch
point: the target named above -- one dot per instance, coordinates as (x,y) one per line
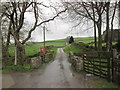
(52,18)
(21,19)
(88,12)
(30,32)
(84,15)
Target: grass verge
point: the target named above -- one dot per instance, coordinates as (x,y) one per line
(71,48)
(27,67)
(101,83)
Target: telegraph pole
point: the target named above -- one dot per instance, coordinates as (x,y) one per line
(44,35)
(44,43)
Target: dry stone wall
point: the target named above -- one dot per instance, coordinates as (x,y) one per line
(76,61)
(39,60)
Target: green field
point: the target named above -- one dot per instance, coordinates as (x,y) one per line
(78,39)
(85,39)
(32,48)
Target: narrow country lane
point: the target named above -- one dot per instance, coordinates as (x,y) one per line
(56,74)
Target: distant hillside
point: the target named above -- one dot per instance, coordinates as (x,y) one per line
(77,39)
(32,48)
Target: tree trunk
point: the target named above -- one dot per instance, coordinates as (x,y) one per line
(99,24)
(4,54)
(19,51)
(107,27)
(0,48)
(119,26)
(119,23)
(95,37)
(4,48)
(20,54)
(111,38)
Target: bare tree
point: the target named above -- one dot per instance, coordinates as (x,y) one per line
(5,33)
(96,12)
(113,16)
(95,31)
(92,11)
(119,12)
(107,26)
(16,14)
(99,7)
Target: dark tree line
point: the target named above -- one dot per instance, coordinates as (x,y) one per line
(98,13)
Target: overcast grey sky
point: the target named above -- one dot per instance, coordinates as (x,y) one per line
(57,29)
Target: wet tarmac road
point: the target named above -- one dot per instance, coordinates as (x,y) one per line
(56,74)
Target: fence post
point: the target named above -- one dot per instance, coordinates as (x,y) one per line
(108,69)
(114,53)
(114,56)
(93,67)
(112,72)
(100,68)
(84,58)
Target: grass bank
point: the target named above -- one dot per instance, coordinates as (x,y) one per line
(102,83)
(27,64)
(33,48)
(77,47)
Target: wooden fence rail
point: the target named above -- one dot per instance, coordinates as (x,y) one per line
(99,66)
(104,67)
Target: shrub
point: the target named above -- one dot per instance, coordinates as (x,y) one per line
(27,67)
(71,39)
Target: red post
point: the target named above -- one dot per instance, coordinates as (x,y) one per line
(43,49)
